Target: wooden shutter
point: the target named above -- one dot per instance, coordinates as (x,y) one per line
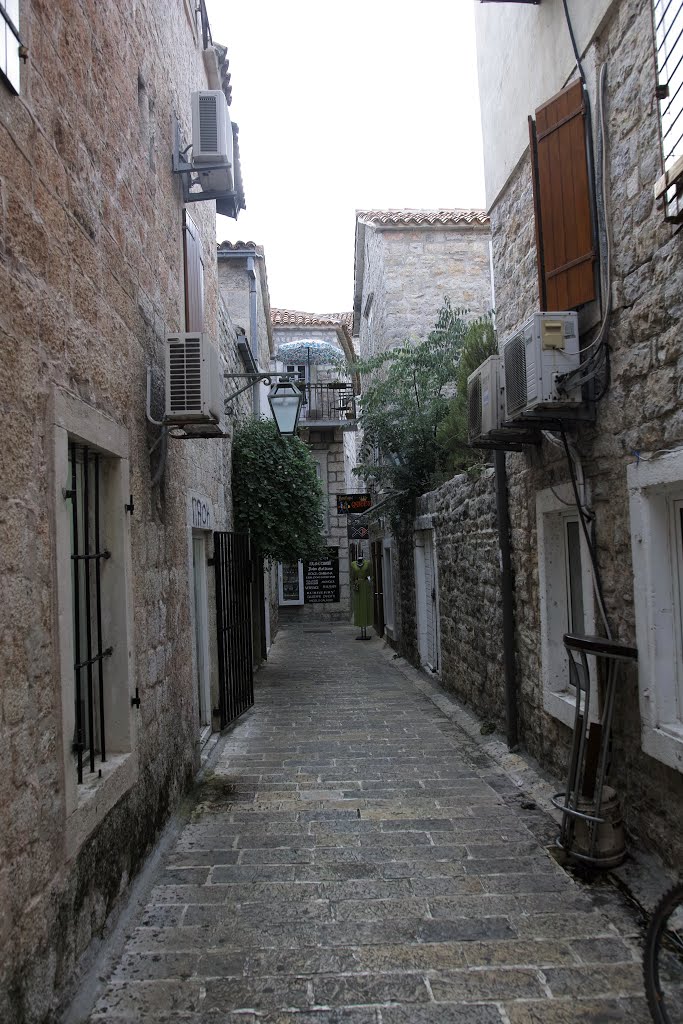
(194,276)
(562,199)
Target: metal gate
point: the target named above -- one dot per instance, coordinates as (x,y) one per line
(232,564)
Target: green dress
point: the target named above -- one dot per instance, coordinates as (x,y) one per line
(362,589)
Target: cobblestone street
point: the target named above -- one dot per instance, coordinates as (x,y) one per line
(356,857)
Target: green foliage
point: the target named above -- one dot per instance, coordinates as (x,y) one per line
(409,396)
(478,345)
(277,496)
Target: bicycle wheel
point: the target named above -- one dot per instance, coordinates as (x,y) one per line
(663,959)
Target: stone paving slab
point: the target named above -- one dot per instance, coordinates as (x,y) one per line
(353,857)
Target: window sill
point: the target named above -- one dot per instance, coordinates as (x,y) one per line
(96,798)
(561,704)
(665,744)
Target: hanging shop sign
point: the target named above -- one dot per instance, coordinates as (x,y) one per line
(357,530)
(353,503)
(321,579)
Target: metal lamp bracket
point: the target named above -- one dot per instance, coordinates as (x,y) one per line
(188,173)
(251,379)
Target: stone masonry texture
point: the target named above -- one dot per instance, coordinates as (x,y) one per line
(354,857)
(91,279)
(643,409)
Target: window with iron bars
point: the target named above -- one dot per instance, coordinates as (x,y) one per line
(668,26)
(89,555)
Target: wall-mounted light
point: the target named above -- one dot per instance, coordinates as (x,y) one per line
(285,398)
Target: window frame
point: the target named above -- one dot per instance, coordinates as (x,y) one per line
(668,189)
(655,492)
(87,804)
(10,28)
(554,509)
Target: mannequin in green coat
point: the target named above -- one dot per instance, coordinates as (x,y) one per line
(363,591)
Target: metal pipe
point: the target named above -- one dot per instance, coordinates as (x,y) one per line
(253,329)
(506,583)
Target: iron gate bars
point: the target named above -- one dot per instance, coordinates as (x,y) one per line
(232,561)
(87,555)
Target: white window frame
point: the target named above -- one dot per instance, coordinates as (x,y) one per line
(655,493)
(554,507)
(388,587)
(320,459)
(425,538)
(87,804)
(10,42)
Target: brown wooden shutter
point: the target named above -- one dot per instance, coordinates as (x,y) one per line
(562,198)
(194,276)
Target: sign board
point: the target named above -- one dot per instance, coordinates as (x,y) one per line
(200,511)
(353,503)
(321,579)
(290,583)
(357,530)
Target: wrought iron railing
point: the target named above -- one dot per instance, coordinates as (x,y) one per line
(668,21)
(332,402)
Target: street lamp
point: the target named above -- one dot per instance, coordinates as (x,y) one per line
(284,399)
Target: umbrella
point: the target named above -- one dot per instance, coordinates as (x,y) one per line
(313,353)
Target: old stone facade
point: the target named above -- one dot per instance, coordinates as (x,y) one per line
(92,279)
(327,425)
(639,421)
(407,262)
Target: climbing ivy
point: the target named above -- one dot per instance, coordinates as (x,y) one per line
(277,496)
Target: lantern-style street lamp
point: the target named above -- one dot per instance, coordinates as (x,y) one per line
(284,398)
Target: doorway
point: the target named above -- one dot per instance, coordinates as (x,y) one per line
(201,631)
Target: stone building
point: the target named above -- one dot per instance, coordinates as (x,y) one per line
(314,349)
(108,681)
(406,262)
(607,248)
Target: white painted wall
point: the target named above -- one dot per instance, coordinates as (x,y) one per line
(524,56)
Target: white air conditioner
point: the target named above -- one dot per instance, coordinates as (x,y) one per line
(194,381)
(484,400)
(543,349)
(212,141)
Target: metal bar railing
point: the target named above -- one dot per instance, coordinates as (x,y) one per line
(333,402)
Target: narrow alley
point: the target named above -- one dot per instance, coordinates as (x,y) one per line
(354,856)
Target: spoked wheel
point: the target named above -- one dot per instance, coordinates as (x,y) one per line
(663,959)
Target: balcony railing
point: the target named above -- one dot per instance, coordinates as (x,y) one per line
(334,402)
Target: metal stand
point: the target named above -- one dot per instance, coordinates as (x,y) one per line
(585,833)
(363,634)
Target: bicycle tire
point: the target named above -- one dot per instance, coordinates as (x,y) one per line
(659,934)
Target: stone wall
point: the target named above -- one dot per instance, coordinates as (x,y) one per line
(463,513)
(410,270)
(90,281)
(641,411)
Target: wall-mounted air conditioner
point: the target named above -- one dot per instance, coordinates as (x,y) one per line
(485,408)
(212,141)
(194,381)
(543,349)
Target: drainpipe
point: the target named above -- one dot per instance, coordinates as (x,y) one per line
(253,331)
(507,593)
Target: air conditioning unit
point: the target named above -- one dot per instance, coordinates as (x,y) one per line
(485,410)
(194,383)
(544,348)
(212,141)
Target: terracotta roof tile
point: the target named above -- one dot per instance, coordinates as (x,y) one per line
(234,246)
(409,217)
(295,318)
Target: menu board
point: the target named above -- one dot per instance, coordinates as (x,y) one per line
(321,579)
(290,581)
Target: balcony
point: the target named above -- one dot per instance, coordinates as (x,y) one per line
(328,405)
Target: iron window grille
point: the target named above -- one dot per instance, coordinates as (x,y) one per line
(668,26)
(88,553)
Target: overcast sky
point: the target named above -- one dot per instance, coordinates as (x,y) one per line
(345,105)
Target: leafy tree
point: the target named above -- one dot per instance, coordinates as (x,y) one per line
(479,344)
(409,394)
(277,496)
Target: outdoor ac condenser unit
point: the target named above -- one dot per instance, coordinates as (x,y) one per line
(484,400)
(212,141)
(544,348)
(194,380)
